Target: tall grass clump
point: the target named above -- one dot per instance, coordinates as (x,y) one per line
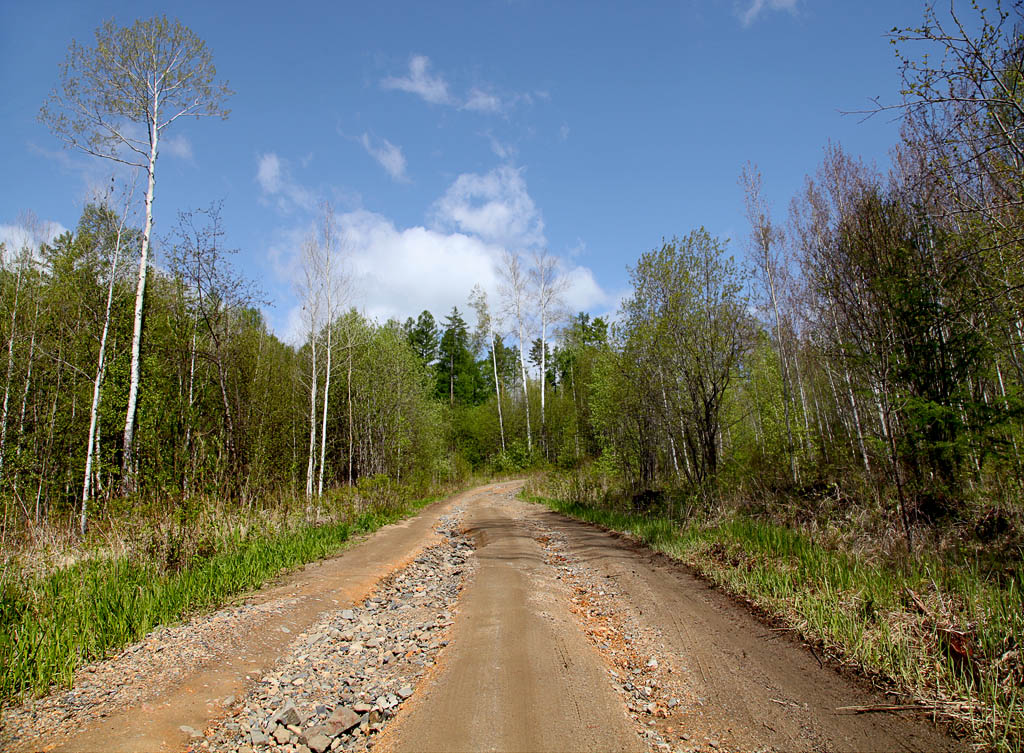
(54,619)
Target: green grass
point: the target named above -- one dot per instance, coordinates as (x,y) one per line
(959,655)
(51,625)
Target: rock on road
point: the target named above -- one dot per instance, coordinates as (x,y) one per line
(553,635)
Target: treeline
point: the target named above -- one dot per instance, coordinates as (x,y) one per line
(871,349)
(222,405)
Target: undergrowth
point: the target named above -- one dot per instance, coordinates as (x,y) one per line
(54,619)
(937,631)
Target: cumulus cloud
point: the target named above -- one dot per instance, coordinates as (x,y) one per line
(28,235)
(388,155)
(496,207)
(398,272)
(421,82)
(274,177)
(748,16)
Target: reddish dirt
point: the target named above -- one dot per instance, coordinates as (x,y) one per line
(153,722)
(566,638)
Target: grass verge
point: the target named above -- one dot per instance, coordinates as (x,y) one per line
(51,625)
(942,634)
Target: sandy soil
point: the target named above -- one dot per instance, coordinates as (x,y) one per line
(146,694)
(565,638)
(563,615)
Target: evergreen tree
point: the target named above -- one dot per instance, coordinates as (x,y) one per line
(424,337)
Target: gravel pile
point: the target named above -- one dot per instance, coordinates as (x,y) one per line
(348,675)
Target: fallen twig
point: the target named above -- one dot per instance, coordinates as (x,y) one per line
(887,708)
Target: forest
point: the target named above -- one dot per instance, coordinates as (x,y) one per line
(850,374)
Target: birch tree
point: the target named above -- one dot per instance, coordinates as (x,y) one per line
(485,328)
(765,238)
(114,101)
(333,286)
(515,293)
(548,287)
(101,362)
(311,294)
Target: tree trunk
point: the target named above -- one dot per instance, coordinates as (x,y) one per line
(543,377)
(10,370)
(526,393)
(327,392)
(311,466)
(128,481)
(497,392)
(101,364)
(351,434)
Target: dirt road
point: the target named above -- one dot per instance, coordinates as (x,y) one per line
(551,635)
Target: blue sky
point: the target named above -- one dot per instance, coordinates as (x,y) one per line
(445,132)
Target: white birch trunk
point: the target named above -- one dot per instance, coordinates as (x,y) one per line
(312,418)
(327,392)
(497,391)
(140,295)
(543,376)
(526,392)
(101,365)
(10,370)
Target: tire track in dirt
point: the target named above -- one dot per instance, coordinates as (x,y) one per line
(697,670)
(176,679)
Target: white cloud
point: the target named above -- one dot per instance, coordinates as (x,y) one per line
(399,272)
(496,207)
(178,146)
(15,238)
(748,16)
(274,176)
(421,82)
(582,292)
(502,150)
(388,155)
(563,132)
(482,101)
(402,272)
(269,173)
(434,88)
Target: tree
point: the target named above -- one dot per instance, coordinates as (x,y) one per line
(548,287)
(457,372)
(110,223)
(424,337)
(485,328)
(334,288)
(964,106)
(144,76)
(515,294)
(687,326)
(311,294)
(765,238)
(218,297)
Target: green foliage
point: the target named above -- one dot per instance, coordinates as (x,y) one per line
(424,337)
(459,377)
(148,73)
(52,625)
